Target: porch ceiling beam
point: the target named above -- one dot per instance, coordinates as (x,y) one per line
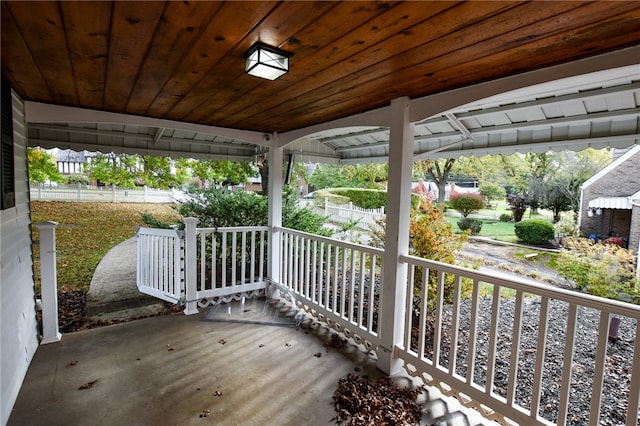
(551,144)
(137,136)
(484,150)
(37,112)
(44,143)
(576,119)
(554,100)
(458,125)
(158,134)
(310,153)
(355,134)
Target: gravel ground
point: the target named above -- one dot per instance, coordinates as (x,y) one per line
(618,362)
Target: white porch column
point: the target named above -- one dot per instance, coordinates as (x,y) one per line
(190,266)
(49,283)
(274,160)
(394,275)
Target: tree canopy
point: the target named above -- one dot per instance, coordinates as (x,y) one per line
(42,166)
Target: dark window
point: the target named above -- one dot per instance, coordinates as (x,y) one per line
(7,175)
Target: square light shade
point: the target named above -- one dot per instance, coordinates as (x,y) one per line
(266,61)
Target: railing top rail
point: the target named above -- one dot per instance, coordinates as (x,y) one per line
(231,229)
(159,232)
(539,289)
(361,247)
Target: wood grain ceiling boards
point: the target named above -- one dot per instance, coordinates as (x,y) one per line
(184,60)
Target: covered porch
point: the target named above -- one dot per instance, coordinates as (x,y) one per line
(187,370)
(380,82)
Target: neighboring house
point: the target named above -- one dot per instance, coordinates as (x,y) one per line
(610,201)
(70,161)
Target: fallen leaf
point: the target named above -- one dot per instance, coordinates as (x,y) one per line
(222,341)
(72,363)
(318,355)
(261,345)
(218,393)
(205,413)
(88,385)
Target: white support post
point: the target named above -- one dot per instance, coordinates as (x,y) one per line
(275,159)
(190,265)
(49,282)
(394,274)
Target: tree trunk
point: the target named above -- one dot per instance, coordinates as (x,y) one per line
(440,175)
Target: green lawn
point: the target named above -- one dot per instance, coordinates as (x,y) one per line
(495,229)
(86,232)
(491,225)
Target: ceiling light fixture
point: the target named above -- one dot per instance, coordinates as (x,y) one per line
(266,61)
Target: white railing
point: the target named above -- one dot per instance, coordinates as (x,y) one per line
(111,194)
(160,263)
(230,261)
(474,346)
(484,338)
(336,281)
(349,212)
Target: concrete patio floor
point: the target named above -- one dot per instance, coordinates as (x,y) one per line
(184,370)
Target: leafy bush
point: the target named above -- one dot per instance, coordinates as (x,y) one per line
(600,269)
(566,227)
(363,198)
(152,221)
(219,208)
(466,203)
(473,225)
(506,217)
(76,178)
(431,237)
(534,231)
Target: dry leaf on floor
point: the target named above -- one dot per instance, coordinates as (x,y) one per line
(88,385)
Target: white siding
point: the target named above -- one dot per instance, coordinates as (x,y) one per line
(18,333)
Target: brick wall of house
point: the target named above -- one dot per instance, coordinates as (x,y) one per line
(621,181)
(634,235)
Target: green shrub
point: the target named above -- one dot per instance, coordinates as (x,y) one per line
(218,208)
(431,237)
(506,217)
(534,231)
(600,269)
(466,203)
(77,178)
(473,225)
(152,221)
(363,198)
(566,227)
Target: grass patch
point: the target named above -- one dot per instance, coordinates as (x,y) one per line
(490,228)
(86,232)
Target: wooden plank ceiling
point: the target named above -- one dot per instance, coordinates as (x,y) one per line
(184,61)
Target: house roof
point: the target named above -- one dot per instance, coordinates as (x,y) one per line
(630,153)
(173,75)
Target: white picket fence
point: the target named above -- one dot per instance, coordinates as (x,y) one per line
(104,194)
(349,212)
